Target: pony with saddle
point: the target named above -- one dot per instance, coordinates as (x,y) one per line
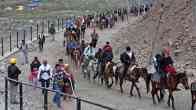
(89,66)
(171,84)
(108,74)
(133,74)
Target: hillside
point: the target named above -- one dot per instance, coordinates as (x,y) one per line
(167,24)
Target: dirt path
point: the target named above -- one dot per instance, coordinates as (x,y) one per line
(33,99)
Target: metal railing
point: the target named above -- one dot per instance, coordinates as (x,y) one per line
(12,41)
(46,90)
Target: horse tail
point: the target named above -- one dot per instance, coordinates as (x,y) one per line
(148,82)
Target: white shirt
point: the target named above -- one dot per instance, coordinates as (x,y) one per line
(45,75)
(130,54)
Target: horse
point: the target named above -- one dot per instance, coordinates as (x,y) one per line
(76,56)
(108,74)
(88,67)
(171,84)
(133,74)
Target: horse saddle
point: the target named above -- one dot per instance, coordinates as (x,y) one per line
(131,74)
(132,68)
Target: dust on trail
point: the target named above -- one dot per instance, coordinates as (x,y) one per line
(33,99)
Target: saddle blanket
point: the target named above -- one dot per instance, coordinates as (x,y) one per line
(156,77)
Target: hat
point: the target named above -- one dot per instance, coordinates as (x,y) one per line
(12,61)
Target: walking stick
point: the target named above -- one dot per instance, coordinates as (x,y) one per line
(72,87)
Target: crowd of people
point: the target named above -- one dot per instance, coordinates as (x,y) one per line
(61,77)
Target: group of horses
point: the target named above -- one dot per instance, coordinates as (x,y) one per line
(114,71)
(75,34)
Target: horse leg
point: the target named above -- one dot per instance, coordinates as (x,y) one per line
(131,90)
(158,98)
(168,102)
(173,106)
(106,82)
(121,83)
(102,80)
(89,76)
(193,103)
(116,78)
(138,91)
(153,93)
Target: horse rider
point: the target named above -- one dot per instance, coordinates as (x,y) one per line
(166,64)
(107,54)
(89,54)
(94,38)
(99,57)
(128,59)
(83,30)
(82,46)
(156,61)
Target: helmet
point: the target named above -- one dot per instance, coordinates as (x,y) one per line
(66,66)
(13,61)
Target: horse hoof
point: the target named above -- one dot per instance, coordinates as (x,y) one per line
(131,95)
(168,104)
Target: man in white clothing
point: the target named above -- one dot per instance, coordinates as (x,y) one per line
(45,74)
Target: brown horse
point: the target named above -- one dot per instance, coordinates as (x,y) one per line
(133,76)
(172,82)
(76,57)
(108,74)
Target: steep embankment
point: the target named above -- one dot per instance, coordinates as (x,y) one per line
(167,24)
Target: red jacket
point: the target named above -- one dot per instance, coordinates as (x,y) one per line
(107,48)
(170,69)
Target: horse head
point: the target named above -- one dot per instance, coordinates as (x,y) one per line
(183,79)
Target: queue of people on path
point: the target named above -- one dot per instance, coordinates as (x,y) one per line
(60,77)
(75,28)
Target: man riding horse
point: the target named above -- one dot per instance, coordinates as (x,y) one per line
(128,59)
(164,67)
(107,53)
(106,56)
(89,54)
